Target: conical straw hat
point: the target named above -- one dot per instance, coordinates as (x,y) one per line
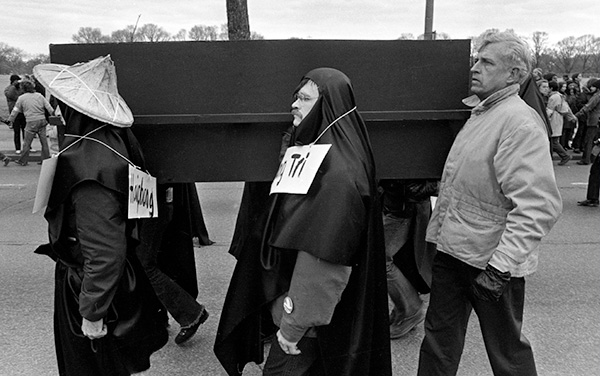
(90,88)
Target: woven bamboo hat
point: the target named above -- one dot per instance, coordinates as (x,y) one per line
(90,88)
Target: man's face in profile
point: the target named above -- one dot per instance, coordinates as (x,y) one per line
(304,101)
(490,73)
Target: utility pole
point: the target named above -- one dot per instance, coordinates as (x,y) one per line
(429,33)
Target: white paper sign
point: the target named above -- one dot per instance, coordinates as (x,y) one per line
(143,201)
(298,168)
(44,187)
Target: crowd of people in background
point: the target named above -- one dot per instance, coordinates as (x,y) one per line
(573,108)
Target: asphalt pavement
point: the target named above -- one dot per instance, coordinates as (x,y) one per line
(561,311)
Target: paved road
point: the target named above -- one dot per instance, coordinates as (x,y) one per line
(561,315)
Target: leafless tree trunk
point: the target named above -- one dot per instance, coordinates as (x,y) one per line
(237,20)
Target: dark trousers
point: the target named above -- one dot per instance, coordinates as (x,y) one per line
(557,148)
(566,137)
(593,191)
(180,304)
(19,130)
(450,306)
(591,134)
(305,364)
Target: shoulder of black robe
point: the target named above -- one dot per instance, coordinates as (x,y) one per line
(90,160)
(82,160)
(357,339)
(530,93)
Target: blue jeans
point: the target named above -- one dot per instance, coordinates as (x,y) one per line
(402,293)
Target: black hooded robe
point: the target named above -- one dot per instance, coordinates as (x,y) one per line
(87,171)
(342,224)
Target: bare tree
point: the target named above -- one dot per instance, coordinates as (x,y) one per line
(180,36)
(128,34)
(565,54)
(11,59)
(237,20)
(202,32)
(90,35)
(584,45)
(406,36)
(539,40)
(153,33)
(596,56)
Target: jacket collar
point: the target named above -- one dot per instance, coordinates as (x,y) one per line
(480,106)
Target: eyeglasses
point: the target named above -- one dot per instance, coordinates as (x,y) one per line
(302,97)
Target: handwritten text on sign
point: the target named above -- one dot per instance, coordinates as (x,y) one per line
(298,168)
(143,201)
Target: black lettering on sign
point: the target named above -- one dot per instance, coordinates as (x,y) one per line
(141,196)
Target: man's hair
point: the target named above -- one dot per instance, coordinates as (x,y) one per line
(28,86)
(517,52)
(574,76)
(14,77)
(553,85)
(540,82)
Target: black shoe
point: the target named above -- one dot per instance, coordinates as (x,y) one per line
(582,163)
(6,161)
(592,203)
(20,163)
(187,332)
(564,160)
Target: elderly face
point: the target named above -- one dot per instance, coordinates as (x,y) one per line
(306,98)
(491,73)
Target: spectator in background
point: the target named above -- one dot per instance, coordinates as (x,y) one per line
(593,190)
(584,96)
(592,114)
(569,127)
(497,199)
(557,106)
(544,88)
(12,93)
(576,77)
(34,106)
(537,74)
(551,77)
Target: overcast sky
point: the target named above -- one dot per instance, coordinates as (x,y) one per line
(32,25)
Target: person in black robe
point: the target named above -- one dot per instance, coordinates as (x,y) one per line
(107,318)
(333,237)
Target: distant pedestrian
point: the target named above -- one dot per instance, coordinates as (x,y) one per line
(593,189)
(34,106)
(591,111)
(557,107)
(12,93)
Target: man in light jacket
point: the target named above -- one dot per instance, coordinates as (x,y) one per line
(498,197)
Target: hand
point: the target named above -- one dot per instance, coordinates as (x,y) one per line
(288,347)
(93,329)
(490,284)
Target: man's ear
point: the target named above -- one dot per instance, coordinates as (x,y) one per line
(514,76)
